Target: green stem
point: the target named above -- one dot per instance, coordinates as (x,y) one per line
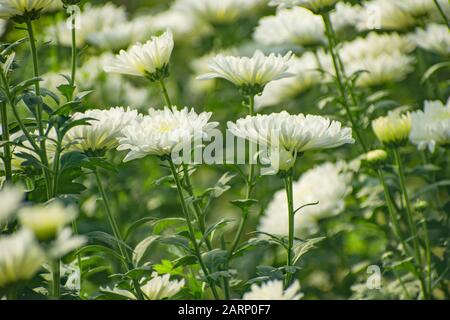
(442,13)
(74,51)
(428,256)
(56,279)
(165,93)
(116,231)
(409,214)
(190,227)
(7,156)
(75,231)
(290,201)
(340,77)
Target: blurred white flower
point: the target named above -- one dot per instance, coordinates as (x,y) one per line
(162,131)
(345,15)
(434,38)
(65,243)
(114,38)
(13,8)
(92,20)
(291,26)
(101,134)
(328,184)
(256,71)
(315,6)
(386,15)
(393,129)
(10,199)
(145,60)
(20,257)
(161,287)
(46,221)
(431,127)
(274,290)
(306,74)
(217,12)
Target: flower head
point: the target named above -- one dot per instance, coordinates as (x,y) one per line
(150,60)
(249,73)
(386,15)
(435,38)
(163,131)
(392,130)
(20,257)
(274,290)
(46,221)
(316,6)
(10,199)
(101,133)
(21,8)
(431,127)
(161,287)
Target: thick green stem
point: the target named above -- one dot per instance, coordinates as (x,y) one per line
(291,213)
(165,93)
(442,13)
(409,214)
(340,78)
(56,279)
(7,156)
(185,210)
(116,231)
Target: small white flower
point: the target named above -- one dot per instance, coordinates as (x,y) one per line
(10,199)
(145,60)
(101,133)
(162,131)
(434,38)
(315,6)
(161,287)
(12,8)
(249,72)
(431,127)
(273,290)
(335,185)
(46,220)
(20,257)
(291,26)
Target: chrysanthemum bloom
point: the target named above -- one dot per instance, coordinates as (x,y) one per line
(431,127)
(10,199)
(292,133)
(392,130)
(101,134)
(46,220)
(164,131)
(217,12)
(345,15)
(149,60)
(274,290)
(20,9)
(20,257)
(249,74)
(291,26)
(386,15)
(434,38)
(335,185)
(161,287)
(316,6)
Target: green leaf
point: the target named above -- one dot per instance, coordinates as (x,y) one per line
(67,90)
(218,225)
(244,204)
(94,248)
(142,247)
(137,224)
(433,69)
(185,261)
(301,248)
(161,225)
(249,244)
(214,258)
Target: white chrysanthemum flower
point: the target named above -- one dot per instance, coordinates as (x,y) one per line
(46,220)
(162,131)
(92,20)
(306,74)
(291,26)
(294,133)
(335,185)
(145,60)
(20,257)
(345,15)
(161,287)
(10,199)
(13,8)
(114,38)
(431,127)
(274,290)
(386,15)
(434,38)
(394,129)
(252,72)
(103,130)
(217,12)
(418,8)
(315,6)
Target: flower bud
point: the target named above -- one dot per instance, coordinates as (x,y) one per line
(376,157)
(392,130)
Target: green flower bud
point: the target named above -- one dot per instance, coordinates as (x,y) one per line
(392,130)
